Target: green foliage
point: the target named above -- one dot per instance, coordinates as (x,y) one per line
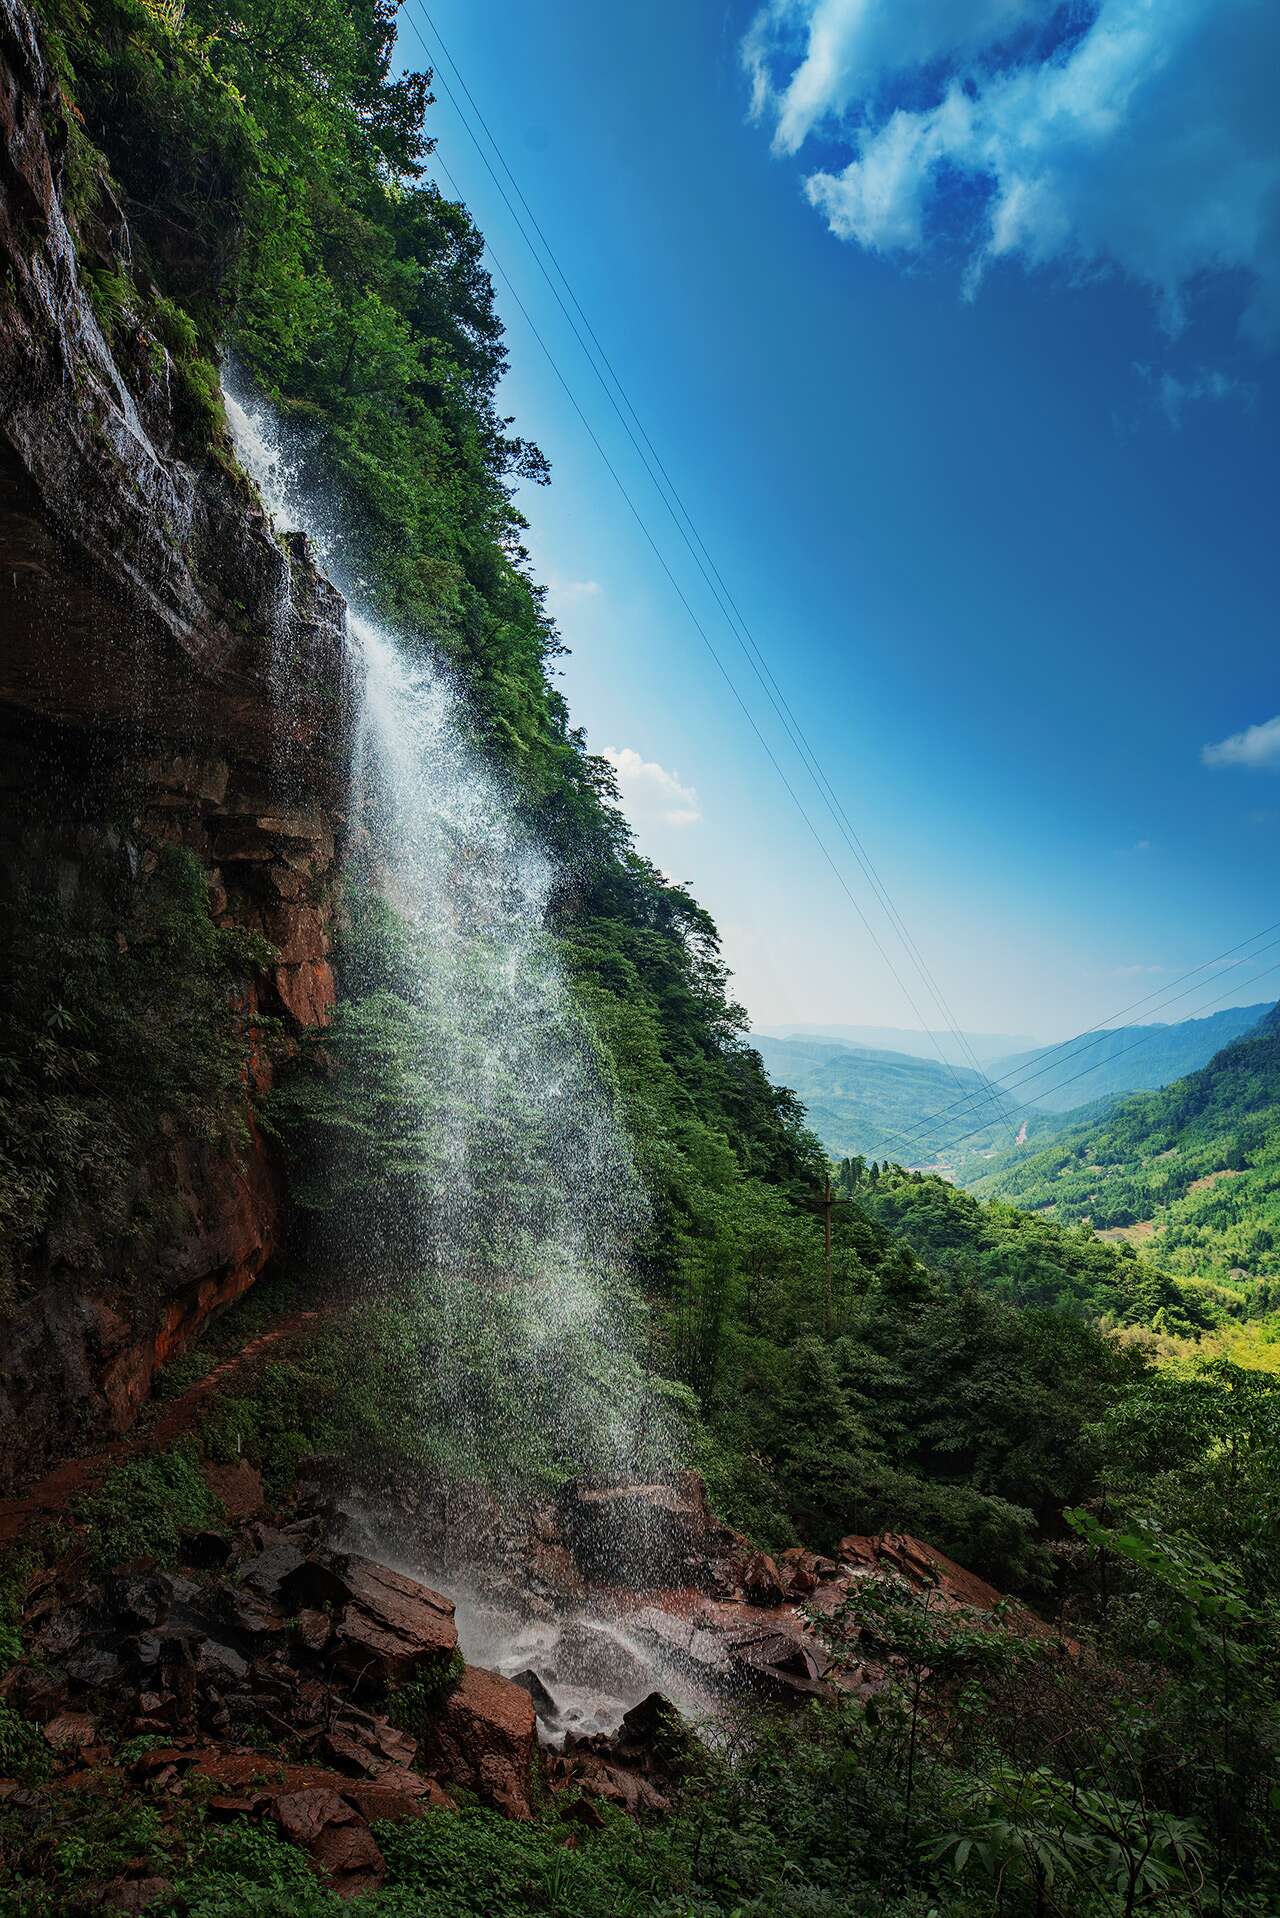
(1059,1841)
(1025,1258)
(939,1372)
(412,1705)
(143,1507)
(1199,1163)
(112,296)
(23,1751)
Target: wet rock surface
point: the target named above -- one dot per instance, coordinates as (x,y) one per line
(484,1737)
(145,606)
(319,1689)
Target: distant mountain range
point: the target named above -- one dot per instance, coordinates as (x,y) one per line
(880,1104)
(1137,1058)
(917,1045)
(1190,1173)
(895,1102)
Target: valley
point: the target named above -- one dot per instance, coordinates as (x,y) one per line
(486,1433)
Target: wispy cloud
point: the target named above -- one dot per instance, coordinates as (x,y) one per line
(651,794)
(1138,137)
(1134,972)
(1174,395)
(563,595)
(1138,847)
(1257,748)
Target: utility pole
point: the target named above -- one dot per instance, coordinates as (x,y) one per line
(826,1256)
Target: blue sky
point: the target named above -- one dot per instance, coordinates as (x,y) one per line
(955,323)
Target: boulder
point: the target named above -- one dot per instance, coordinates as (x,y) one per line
(388,1627)
(339,1842)
(594,1775)
(544,1703)
(404,1796)
(366,1745)
(71,1731)
(761,1583)
(239,1486)
(312,1629)
(924,1568)
(646,1533)
(484,1738)
(268,1572)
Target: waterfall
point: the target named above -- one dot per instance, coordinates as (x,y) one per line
(525,1200)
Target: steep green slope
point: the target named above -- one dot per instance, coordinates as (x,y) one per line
(1192,1172)
(1136,1059)
(1021,1256)
(879,1104)
(271,163)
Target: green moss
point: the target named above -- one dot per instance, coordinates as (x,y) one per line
(118,1026)
(112,296)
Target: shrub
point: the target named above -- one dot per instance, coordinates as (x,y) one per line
(143,1507)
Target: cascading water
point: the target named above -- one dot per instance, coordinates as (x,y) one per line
(528,1197)
(525,1199)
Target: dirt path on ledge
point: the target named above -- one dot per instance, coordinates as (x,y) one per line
(59,1489)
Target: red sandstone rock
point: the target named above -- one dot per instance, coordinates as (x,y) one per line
(594,1775)
(239,1486)
(404,1796)
(308,991)
(153,569)
(484,1739)
(313,1629)
(336,1836)
(928,1569)
(389,1625)
(70,1731)
(760,1580)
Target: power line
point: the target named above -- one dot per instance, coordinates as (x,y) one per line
(1013,1081)
(682,519)
(686,527)
(1146,1037)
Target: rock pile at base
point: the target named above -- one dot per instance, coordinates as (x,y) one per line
(323,1691)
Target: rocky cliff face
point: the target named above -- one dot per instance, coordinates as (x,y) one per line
(171,674)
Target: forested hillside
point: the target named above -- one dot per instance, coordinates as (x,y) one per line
(1131,1059)
(1190,1173)
(889,1356)
(1022,1256)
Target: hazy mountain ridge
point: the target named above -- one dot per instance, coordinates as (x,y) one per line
(1128,1059)
(904,1040)
(880,1104)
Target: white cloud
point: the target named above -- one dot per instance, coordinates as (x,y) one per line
(652,795)
(1133,972)
(565,594)
(1208,384)
(1257,748)
(1147,143)
(1138,846)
